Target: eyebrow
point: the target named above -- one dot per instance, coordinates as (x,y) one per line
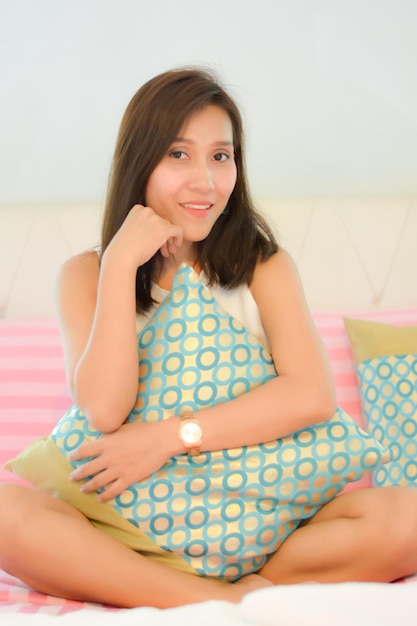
(217,143)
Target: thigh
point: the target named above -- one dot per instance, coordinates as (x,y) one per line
(380,503)
(363,535)
(19,503)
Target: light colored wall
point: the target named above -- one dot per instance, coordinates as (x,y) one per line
(328,238)
(328,88)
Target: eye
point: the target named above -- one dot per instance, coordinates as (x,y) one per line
(221,156)
(177,154)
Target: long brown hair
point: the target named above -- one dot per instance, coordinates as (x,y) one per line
(153,118)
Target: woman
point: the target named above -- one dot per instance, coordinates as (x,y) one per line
(178,194)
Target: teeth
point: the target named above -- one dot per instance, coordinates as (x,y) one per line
(199,207)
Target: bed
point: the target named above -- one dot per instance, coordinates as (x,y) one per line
(357,258)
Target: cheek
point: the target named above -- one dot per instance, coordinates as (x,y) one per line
(159,185)
(225,180)
(229,181)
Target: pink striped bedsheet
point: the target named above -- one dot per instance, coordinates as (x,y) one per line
(33,392)
(16,597)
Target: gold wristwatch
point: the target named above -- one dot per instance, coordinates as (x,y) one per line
(190,434)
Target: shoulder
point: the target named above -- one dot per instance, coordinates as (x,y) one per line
(83,266)
(84,262)
(278,273)
(279,295)
(78,279)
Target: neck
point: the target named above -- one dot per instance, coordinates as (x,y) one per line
(187,253)
(170,266)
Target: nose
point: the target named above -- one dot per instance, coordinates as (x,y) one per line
(201,178)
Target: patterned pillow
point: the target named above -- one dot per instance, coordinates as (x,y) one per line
(220,513)
(386,365)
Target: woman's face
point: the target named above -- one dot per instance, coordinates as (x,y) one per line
(192,183)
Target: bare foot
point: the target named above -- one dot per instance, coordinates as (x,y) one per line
(249,583)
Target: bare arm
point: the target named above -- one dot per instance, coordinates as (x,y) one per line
(97,316)
(97,312)
(303,392)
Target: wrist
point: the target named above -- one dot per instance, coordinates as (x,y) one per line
(181,435)
(118,260)
(190,434)
(169,433)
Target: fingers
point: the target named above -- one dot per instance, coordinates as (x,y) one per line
(84,471)
(164,250)
(86,451)
(106,483)
(112,491)
(171,246)
(98,478)
(97,482)
(170,233)
(175,238)
(175,242)
(97,475)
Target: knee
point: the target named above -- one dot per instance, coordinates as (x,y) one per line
(11,497)
(388,544)
(407,509)
(400,522)
(14,511)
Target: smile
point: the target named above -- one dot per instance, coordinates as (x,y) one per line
(197,207)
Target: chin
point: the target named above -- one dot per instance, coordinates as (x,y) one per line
(195,237)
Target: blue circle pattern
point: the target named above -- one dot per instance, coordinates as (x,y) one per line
(390,410)
(225,511)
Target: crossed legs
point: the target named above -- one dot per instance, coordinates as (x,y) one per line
(53,548)
(368,535)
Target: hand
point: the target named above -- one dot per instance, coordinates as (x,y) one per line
(142,234)
(121,458)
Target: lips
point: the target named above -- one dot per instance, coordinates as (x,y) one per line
(198,206)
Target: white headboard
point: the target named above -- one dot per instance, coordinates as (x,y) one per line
(354,253)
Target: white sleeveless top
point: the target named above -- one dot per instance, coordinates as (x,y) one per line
(239,303)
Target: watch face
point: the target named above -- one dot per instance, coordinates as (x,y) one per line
(191,433)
